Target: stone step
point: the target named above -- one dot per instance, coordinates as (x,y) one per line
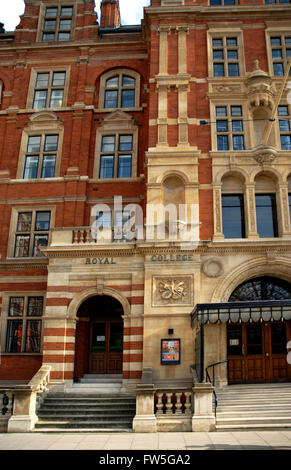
(250,414)
(65,430)
(255,420)
(86,413)
(65,424)
(86,406)
(244,408)
(253,427)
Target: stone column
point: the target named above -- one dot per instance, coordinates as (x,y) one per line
(217,213)
(164,31)
(162,114)
(183,114)
(283,211)
(250,211)
(203,419)
(182,31)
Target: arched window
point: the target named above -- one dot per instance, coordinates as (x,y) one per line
(261,288)
(119,89)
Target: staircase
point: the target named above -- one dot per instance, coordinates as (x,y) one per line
(255,407)
(94,404)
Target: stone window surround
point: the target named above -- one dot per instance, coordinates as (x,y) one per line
(249,192)
(42,123)
(220,31)
(245,118)
(4,318)
(56,3)
(13,226)
(274,30)
(116,123)
(33,77)
(112,73)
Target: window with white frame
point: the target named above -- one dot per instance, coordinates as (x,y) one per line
(57,23)
(280,45)
(119,89)
(116,156)
(49,89)
(230,128)
(32,233)
(225,56)
(24,324)
(285,126)
(40,158)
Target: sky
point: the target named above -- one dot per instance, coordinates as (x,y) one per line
(131,11)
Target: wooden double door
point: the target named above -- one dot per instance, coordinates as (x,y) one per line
(106,346)
(257,352)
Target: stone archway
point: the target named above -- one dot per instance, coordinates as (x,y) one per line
(99,336)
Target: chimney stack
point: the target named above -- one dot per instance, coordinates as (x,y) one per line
(110,14)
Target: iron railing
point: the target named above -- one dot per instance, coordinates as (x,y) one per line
(208,379)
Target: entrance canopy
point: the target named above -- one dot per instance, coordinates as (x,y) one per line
(237,312)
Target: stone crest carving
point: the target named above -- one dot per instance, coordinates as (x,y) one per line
(212,267)
(172,290)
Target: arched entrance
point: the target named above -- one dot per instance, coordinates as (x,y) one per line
(256,350)
(99,337)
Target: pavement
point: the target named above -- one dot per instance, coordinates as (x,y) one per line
(178,441)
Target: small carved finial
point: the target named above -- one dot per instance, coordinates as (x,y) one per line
(256,65)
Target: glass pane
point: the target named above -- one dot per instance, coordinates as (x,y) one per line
(22,246)
(33,144)
(59,78)
(229,2)
(50,25)
(222,125)
(218,70)
(284,125)
(278,69)
(266,215)
(67,11)
(238,142)
(217,42)
(128,81)
(33,336)
(30,168)
(99,337)
(111,99)
(108,143)
(42,80)
(51,143)
(124,166)
(222,142)
(218,54)
(40,99)
(39,241)
(276,41)
(56,98)
(231,42)
(65,24)
(48,166)
(127,98)
(286,142)
(16,306)
(278,338)
(116,337)
(112,82)
(48,37)
(288,40)
(51,12)
(234,340)
(106,166)
(24,222)
(233,216)
(215,2)
(283,111)
(277,53)
(14,336)
(232,55)
(236,110)
(125,143)
(237,126)
(233,70)
(42,221)
(64,36)
(35,306)
(254,339)
(288,53)
(103,219)
(221,111)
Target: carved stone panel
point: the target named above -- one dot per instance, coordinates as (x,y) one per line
(172,291)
